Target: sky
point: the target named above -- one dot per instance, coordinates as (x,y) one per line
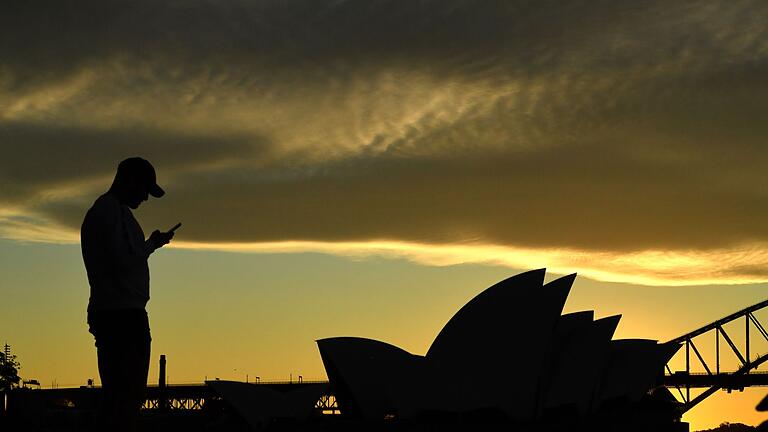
(366,167)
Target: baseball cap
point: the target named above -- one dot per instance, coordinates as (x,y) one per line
(142,170)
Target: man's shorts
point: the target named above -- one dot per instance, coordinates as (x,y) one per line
(119,326)
(123,346)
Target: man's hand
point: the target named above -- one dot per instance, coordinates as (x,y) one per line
(159,239)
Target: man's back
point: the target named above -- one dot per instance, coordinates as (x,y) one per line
(115,256)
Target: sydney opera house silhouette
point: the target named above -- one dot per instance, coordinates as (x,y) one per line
(508,354)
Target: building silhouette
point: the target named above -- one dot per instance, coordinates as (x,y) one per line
(511,355)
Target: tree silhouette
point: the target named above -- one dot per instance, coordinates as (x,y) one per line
(9,370)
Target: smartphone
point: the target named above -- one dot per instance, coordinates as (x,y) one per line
(175,227)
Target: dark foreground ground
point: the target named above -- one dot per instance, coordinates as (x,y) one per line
(70,421)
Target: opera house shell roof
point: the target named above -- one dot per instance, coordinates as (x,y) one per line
(509,350)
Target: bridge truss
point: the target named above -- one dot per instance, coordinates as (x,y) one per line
(714,378)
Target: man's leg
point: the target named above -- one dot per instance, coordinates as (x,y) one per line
(112,365)
(138,369)
(107,374)
(123,349)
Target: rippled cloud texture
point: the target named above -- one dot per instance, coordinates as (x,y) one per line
(626,140)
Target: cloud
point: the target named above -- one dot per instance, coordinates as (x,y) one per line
(676,268)
(605,127)
(61,162)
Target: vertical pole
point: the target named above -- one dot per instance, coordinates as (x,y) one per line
(746,336)
(717,349)
(161,378)
(163,397)
(687,370)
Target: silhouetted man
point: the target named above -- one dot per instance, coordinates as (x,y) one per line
(115,254)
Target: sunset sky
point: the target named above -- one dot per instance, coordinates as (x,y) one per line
(365,167)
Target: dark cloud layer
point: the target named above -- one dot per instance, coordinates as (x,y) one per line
(36,158)
(62,34)
(615,126)
(550,200)
(46,39)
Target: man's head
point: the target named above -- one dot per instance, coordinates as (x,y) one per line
(135,181)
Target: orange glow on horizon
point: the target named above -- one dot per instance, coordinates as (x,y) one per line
(650,267)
